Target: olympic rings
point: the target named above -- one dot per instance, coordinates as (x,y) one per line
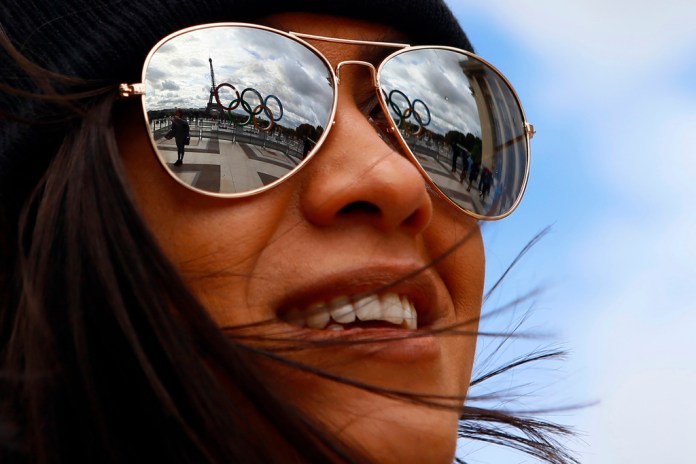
(280,106)
(233,104)
(260,106)
(408,112)
(252,114)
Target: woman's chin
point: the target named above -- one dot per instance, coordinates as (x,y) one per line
(396,431)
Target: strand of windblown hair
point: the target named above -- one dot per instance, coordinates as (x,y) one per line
(517,259)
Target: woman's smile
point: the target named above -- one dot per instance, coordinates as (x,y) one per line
(386,311)
(403,297)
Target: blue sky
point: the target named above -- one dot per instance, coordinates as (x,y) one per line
(610,86)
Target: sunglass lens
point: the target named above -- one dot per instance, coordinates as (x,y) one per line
(463,123)
(255,103)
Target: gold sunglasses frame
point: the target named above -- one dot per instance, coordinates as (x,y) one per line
(139,89)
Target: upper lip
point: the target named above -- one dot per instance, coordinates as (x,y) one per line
(417,282)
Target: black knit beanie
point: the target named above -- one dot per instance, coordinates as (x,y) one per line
(108,41)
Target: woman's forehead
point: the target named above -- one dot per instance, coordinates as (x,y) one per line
(342,28)
(333,26)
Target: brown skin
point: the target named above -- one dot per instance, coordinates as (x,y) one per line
(296,244)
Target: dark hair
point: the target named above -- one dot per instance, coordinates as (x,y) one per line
(106,357)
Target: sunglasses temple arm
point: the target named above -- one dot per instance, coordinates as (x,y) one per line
(529,129)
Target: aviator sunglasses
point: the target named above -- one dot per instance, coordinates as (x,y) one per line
(260,102)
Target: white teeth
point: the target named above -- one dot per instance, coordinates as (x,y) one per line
(342,310)
(390,307)
(368,308)
(317,317)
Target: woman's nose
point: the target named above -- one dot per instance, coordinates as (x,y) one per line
(356,176)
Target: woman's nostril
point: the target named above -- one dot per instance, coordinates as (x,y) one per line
(360,207)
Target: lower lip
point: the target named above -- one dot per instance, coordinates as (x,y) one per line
(382,344)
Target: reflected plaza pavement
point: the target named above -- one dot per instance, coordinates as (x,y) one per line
(224,158)
(230,160)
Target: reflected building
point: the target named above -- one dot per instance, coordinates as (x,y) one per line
(504,143)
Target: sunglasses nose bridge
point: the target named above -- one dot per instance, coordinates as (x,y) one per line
(373,71)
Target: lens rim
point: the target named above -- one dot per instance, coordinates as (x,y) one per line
(289,174)
(402,142)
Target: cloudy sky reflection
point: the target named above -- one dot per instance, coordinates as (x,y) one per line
(178,74)
(436,78)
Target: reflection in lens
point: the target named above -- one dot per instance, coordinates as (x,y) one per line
(463,123)
(256,103)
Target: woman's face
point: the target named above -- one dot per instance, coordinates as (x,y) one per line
(357,218)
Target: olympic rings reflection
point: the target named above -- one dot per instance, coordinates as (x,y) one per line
(251,114)
(410,110)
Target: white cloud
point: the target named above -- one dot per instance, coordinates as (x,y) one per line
(619,69)
(650,155)
(594,49)
(596,30)
(646,381)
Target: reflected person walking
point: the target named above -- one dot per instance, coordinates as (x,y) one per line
(181,134)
